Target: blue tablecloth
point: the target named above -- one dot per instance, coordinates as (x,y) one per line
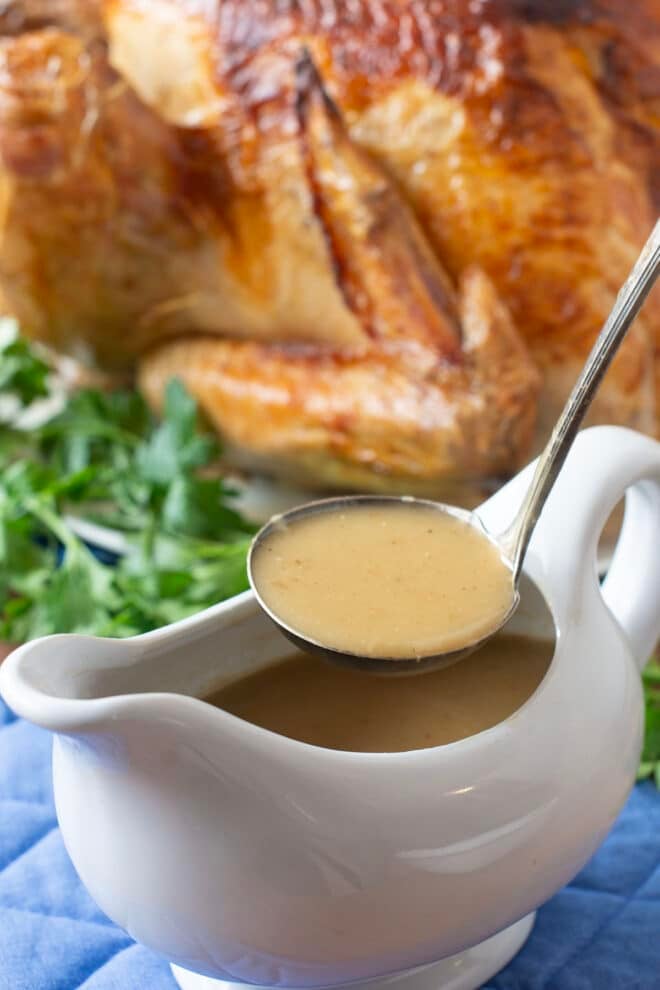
(600,932)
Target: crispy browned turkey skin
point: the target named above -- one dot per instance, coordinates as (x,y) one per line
(375,238)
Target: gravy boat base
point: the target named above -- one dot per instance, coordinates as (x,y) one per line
(467,970)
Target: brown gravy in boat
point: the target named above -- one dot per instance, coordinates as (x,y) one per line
(315,702)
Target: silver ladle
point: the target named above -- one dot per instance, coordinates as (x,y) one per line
(512,544)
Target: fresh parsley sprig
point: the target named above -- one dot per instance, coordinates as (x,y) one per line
(650,765)
(105,458)
(23,373)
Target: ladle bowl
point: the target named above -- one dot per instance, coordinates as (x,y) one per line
(390,666)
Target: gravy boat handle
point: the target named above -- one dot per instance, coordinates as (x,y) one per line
(606,463)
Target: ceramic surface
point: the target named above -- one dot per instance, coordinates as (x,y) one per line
(466,970)
(246,856)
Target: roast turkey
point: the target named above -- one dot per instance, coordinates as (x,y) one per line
(375,238)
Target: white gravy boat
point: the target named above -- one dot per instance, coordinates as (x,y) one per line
(249,857)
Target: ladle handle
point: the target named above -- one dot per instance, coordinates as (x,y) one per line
(626,307)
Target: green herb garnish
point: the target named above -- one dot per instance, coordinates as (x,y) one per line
(23,374)
(106,459)
(650,765)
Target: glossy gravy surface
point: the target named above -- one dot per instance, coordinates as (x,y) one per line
(398,581)
(315,702)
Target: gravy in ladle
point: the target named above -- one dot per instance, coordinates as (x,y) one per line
(399,581)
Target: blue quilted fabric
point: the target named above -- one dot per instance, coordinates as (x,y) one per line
(602,932)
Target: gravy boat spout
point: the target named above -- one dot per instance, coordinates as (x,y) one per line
(70,684)
(74,684)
